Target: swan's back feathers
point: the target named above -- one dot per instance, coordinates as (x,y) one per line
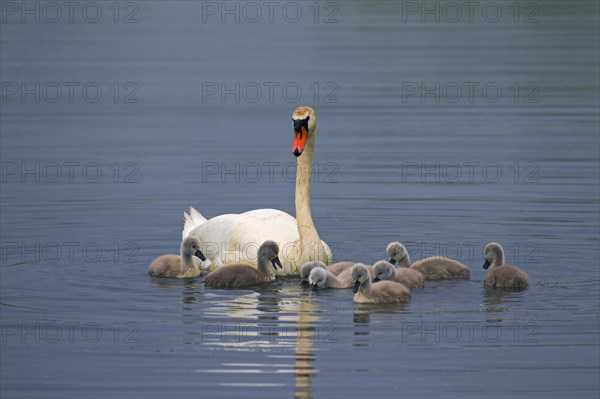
(234,238)
(506,276)
(339,267)
(165,266)
(191,220)
(236,276)
(389,291)
(383,292)
(329,280)
(410,278)
(440,268)
(169,266)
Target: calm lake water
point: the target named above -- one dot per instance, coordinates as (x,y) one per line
(116,117)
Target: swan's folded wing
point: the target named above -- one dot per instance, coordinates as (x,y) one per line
(191,220)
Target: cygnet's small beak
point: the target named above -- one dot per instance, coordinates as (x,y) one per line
(356,286)
(200,255)
(486,264)
(375,279)
(304,283)
(276,262)
(313,287)
(393,261)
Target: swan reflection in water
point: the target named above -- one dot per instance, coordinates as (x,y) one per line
(191,289)
(281,323)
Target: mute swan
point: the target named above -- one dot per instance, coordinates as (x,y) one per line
(381,292)
(432,268)
(322,278)
(182,266)
(241,275)
(307,268)
(227,238)
(501,275)
(406,276)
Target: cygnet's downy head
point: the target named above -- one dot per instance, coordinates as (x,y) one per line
(191,247)
(360,275)
(317,278)
(307,268)
(396,252)
(384,270)
(491,252)
(270,251)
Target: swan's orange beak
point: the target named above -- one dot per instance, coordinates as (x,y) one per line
(299,141)
(300,135)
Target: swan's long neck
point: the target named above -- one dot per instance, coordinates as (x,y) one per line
(404,262)
(365,287)
(311,247)
(187,260)
(264,264)
(332,280)
(499,258)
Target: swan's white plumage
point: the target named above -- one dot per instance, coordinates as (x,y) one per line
(235,238)
(191,220)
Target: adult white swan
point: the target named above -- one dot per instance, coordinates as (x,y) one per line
(235,238)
